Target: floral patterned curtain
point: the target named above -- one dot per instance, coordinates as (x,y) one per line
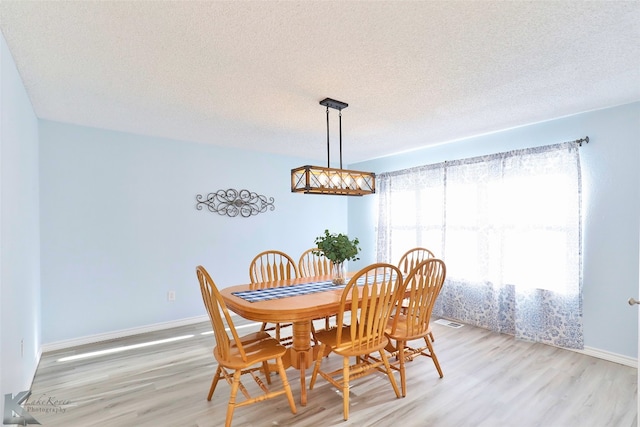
(508,227)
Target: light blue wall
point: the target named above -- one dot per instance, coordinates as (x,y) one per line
(19,232)
(611,202)
(120,226)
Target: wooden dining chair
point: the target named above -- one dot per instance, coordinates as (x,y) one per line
(270,266)
(312,264)
(265,271)
(240,355)
(408,261)
(423,285)
(366,304)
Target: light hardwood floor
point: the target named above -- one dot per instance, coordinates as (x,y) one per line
(490,380)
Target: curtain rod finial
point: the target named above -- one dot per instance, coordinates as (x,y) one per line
(581,140)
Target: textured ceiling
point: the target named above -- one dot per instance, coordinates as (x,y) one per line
(250,74)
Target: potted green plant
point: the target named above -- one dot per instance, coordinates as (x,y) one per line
(338,248)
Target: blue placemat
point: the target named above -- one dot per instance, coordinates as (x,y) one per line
(266,294)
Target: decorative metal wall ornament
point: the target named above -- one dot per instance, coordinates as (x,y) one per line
(320,180)
(235,202)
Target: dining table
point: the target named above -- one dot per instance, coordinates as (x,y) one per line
(296,301)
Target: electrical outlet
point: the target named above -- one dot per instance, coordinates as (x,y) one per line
(171,296)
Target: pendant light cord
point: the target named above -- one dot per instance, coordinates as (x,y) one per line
(340,115)
(328,156)
(338,106)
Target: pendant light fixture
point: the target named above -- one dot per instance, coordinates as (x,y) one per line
(320,180)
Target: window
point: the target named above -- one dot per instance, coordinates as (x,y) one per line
(508,228)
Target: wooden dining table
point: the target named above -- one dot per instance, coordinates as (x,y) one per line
(300,310)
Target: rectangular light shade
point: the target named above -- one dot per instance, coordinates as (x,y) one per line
(320,180)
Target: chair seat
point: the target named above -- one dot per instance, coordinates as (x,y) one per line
(329,337)
(249,339)
(258,347)
(256,336)
(402,329)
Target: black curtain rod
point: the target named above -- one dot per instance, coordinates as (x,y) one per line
(581,140)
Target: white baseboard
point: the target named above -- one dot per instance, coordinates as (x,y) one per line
(611,357)
(35,368)
(60,345)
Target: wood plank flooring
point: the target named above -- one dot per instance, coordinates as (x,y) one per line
(490,380)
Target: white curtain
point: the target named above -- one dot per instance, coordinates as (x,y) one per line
(508,227)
